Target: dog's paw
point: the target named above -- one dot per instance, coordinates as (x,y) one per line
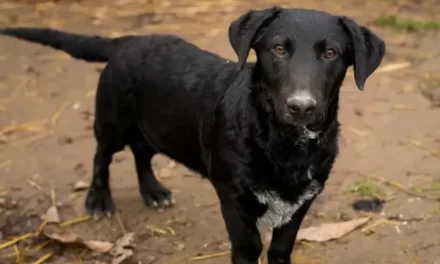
(157,195)
(99,203)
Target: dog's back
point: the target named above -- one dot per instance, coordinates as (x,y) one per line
(170,85)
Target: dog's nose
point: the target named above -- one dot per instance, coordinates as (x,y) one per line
(301,104)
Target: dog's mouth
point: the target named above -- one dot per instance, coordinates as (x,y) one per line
(310,122)
(311,134)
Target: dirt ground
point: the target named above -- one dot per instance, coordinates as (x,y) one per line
(390,143)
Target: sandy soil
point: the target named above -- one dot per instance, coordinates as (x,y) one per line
(390,133)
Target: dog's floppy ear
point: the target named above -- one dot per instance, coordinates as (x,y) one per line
(368,50)
(244,30)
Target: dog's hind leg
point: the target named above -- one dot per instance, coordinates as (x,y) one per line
(152,190)
(109,141)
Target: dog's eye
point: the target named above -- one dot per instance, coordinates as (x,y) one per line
(279,49)
(330,53)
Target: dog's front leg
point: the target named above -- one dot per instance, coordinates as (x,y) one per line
(242,229)
(283,238)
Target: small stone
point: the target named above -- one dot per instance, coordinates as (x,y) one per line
(81,186)
(358,111)
(76,106)
(372,205)
(65,140)
(179,246)
(2,201)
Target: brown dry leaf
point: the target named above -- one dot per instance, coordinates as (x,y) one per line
(61,235)
(326,232)
(51,216)
(123,248)
(98,246)
(80,186)
(68,237)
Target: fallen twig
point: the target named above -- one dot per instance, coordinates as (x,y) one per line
(58,113)
(43,258)
(34,184)
(75,221)
(33,126)
(434,153)
(15,241)
(31,139)
(53,197)
(17,253)
(369,229)
(403,107)
(156,230)
(215,255)
(41,246)
(42,226)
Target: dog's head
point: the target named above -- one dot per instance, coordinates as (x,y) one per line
(303,56)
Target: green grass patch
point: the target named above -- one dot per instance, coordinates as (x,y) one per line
(366,187)
(407,24)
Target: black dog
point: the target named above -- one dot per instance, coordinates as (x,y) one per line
(265,133)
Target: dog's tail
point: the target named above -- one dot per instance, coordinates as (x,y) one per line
(88,48)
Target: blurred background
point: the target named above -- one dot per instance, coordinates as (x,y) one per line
(388,169)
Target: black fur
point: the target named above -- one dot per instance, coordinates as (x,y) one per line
(232,122)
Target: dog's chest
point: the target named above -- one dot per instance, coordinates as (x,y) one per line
(280,211)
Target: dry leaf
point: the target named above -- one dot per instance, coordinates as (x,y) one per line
(326,232)
(51,216)
(68,237)
(123,248)
(81,186)
(99,246)
(61,235)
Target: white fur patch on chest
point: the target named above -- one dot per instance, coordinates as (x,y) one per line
(280,211)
